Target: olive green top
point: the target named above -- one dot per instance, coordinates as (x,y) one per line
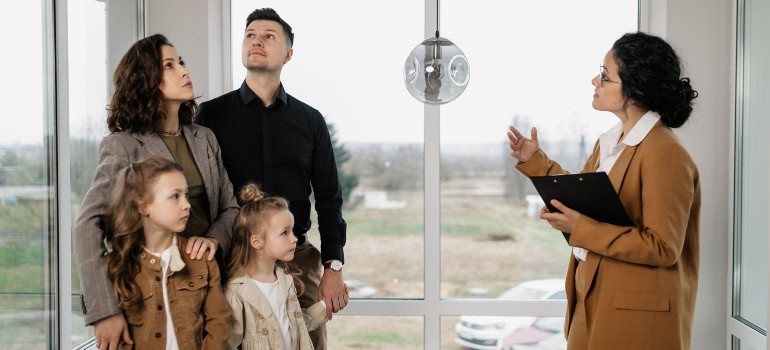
(200,221)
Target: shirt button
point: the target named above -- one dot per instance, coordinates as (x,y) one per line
(192,284)
(260,317)
(298,314)
(152,261)
(264,331)
(160,307)
(157,278)
(294,297)
(200,277)
(157,335)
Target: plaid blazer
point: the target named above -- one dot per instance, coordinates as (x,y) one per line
(98,299)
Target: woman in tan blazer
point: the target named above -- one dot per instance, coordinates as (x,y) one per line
(632,287)
(150,115)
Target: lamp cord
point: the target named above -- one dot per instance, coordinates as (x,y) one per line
(438,17)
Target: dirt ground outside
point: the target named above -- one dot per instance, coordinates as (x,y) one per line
(488,245)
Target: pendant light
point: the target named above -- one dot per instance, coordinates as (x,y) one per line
(436,71)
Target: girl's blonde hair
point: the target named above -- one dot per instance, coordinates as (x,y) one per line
(252,220)
(124,224)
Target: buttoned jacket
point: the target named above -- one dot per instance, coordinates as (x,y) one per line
(253,325)
(117,151)
(197,304)
(641,280)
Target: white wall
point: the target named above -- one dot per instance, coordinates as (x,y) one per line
(701,31)
(196,29)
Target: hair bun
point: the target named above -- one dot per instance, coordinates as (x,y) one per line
(687,92)
(679,107)
(250,194)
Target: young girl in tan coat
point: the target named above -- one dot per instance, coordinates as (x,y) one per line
(170,300)
(261,290)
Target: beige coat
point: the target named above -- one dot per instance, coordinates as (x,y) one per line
(253,326)
(641,280)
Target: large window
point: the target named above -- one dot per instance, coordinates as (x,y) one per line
(27,182)
(353,77)
(452,224)
(530,67)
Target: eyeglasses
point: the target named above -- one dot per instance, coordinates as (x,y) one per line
(603,77)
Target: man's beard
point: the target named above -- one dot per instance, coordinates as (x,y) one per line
(260,67)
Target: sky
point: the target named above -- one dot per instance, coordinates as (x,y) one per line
(22,73)
(526,60)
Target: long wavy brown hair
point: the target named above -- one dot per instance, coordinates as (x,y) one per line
(137,102)
(256,209)
(132,187)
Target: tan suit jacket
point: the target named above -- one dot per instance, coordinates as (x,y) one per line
(641,280)
(116,152)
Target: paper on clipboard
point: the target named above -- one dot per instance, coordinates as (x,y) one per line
(590,194)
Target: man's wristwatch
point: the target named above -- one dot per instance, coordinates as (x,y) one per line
(335,265)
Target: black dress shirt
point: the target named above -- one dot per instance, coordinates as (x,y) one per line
(284,148)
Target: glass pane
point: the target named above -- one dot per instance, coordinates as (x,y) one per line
(88,87)
(375,332)
(26,314)
(521,77)
(755,170)
(376,122)
(496,332)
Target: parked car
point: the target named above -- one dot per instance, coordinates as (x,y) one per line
(546,333)
(359,289)
(493,332)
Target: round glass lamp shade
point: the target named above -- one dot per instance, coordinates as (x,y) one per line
(436,71)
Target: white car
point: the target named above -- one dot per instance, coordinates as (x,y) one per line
(494,332)
(359,289)
(546,333)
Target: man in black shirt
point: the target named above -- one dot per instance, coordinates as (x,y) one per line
(269,137)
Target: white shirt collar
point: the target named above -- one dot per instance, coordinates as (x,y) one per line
(637,133)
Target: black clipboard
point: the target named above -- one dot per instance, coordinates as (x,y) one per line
(591,194)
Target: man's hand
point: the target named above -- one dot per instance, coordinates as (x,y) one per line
(333,292)
(110,331)
(197,247)
(564,221)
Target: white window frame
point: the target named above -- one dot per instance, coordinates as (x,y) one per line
(740,334)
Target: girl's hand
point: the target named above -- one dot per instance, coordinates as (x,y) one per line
(522,148)
(110,331)
(197,247)
(564,221)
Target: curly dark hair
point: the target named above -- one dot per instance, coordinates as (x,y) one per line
(270,15)
(137,102)
(651,73)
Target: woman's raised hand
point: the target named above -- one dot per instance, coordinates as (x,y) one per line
(522,148)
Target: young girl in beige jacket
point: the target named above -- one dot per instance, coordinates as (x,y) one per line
(261,289)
